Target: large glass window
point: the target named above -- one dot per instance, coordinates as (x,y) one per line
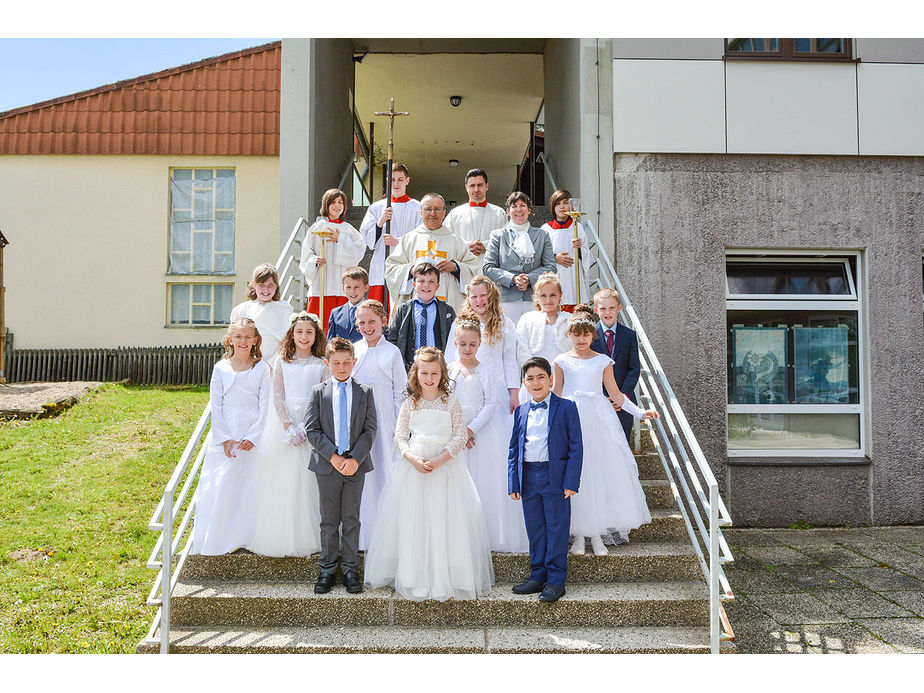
(202,217)
(200,304)
(794,356)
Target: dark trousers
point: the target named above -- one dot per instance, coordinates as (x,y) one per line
(548,522)
(340,496)
(627,421)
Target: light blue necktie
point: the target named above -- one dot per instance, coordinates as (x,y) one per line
(344,423)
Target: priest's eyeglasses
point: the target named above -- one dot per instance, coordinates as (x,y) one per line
(432,210)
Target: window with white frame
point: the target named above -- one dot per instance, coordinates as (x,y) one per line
(199,304)
(794,355)
(202,218)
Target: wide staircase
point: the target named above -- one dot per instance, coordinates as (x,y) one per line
(661,592)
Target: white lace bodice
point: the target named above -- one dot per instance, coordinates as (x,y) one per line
(582,377)
(292,383)
(473,389)
(500,356)
(272,319)
(431,427)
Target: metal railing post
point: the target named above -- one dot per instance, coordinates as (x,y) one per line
(714,568)
(166,577)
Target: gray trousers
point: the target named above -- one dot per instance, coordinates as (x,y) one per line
(340,498)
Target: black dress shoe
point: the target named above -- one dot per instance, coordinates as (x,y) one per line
(354,584)
(324,583)
(529,587)
(552,593)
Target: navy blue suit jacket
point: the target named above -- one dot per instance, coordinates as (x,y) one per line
(626,365)
(340,324)
(566,445)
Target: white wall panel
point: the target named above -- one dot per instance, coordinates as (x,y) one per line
(791,108)
(668,106)
(891,103)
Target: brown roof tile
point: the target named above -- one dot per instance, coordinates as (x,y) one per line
(223,105)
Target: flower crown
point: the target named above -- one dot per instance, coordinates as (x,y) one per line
(302,315)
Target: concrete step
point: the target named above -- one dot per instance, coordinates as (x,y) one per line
(666,525)
(264,604)
(632,562)
(649,466)
(658,493)
(403,640)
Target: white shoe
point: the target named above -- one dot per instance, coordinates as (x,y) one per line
(596,543)
(620,538)
(577,547)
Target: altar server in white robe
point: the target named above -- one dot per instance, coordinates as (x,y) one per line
(344,249)
(566,247)
(475,221)
(432,242)
(264,307)
(404,215)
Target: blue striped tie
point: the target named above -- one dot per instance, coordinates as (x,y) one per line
(343,444)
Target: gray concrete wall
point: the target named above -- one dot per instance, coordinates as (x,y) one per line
(669,48)
(316,124)
(676,215)
(561,65)
(886,50)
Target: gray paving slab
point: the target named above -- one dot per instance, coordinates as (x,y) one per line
(881,579)
(749,537)
(836,638)
(799,537)
(913,536)
(835,556)
(796,609)
(913,600)
(905,634)
(778,555)
(760,581)
(814,577)
(859,603)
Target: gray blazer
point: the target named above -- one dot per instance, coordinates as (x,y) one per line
(502,264)
(319,425)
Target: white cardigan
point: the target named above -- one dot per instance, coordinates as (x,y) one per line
(531,334)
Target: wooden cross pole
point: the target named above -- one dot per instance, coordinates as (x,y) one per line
(391,114)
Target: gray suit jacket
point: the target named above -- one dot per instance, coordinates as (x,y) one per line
(319,425)
(502,264)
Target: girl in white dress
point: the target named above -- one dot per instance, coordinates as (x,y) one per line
(488,443)
(610,494)
(239,396)
(379,365)
(287,518)
(566,246)
(544,331)
(329,258)
(430,539)
(264,307)
(498,348)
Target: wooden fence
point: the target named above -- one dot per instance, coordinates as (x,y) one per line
(182,365)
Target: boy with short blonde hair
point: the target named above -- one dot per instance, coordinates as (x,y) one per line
(620,343)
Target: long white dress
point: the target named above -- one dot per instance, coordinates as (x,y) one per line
(224,503)
(405,217)
(610,495)
(475,223)
(535,337)
(430,539)
(286,515)
(382,368)
(272,319)
(487,460)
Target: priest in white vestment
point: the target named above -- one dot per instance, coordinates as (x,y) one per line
(404,215)
(431,242)
(475,221)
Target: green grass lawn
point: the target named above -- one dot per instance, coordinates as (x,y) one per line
(79,489)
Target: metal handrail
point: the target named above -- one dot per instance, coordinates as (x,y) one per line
(167,546)
(694,486)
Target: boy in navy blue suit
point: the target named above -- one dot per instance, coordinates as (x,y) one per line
(621,344)
(342,323)
(544,471)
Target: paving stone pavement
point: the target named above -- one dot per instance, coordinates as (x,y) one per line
(827,591)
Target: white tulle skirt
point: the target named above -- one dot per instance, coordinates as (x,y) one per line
(285,517)
(487,465)
(383,460)
(430,539)
(610,495)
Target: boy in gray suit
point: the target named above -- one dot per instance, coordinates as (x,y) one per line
(340,424)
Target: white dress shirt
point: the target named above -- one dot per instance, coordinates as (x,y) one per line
(537,432)
(336,403)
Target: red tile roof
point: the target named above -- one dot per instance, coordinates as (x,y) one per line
(223,105)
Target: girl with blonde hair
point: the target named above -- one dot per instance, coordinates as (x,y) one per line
(544,331)
(265,307)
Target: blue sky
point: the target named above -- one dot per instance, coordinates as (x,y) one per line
(33,70)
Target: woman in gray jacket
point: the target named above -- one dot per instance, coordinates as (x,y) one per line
(517,254)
